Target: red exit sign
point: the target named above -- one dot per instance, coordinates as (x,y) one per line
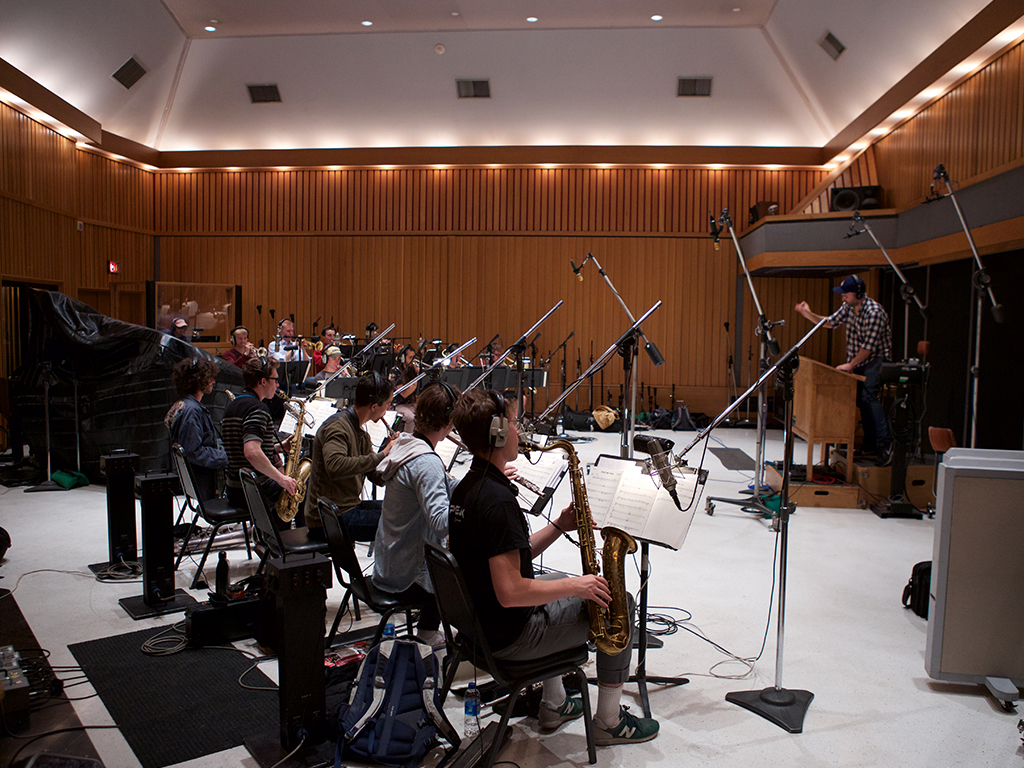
(113,267)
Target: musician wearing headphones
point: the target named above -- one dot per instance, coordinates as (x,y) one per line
(191,426)
(343,458)
(868,345)
(332,363)
(526,618)
(241,350)
(416,507)
(327,339)
(285,348)
(250,438)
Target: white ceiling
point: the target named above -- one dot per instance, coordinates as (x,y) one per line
(588,72)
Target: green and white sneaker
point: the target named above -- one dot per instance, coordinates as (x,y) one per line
(629,730)
(550,717)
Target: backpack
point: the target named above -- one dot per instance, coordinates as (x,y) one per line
(394,714)
(916,593)
(681,419)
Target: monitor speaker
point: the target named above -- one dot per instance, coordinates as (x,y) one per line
(855,198)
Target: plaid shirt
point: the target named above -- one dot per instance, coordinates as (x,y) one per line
(867,329)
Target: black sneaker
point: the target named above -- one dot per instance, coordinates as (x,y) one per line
(884,457)
(629,730)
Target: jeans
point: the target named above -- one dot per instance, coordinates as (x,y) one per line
(872,413)
(362,520)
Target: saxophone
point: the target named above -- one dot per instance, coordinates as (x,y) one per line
(296,467)
(611,627)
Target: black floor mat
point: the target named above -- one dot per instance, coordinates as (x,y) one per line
(734,458)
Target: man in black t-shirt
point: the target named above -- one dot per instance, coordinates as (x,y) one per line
(250,438)
(524,618)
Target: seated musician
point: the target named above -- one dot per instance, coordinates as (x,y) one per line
(416,507)
(241,350)
(250,437)
(332,363)
(406,362)
(526,618)
(343,458)
(285,348)
(327,339)
(191,426)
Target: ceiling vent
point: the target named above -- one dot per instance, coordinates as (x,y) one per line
(831,45)
(264,94)
(130,73)
(694,86)
(473,89)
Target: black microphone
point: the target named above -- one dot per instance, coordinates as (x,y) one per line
(854,232)
(715,231)
(576,270)
(656,447)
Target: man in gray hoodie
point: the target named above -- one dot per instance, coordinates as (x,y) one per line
(415,508)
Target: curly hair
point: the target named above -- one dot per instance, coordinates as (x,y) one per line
(192,375)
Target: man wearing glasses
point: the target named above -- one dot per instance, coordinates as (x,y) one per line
(250,438)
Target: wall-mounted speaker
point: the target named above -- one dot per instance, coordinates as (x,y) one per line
(855,198)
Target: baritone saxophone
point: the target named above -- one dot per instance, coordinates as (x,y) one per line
(611,627)
(296,467)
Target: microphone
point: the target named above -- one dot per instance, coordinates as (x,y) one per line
(997,313)
(715,231)
(656,447)
(576,270)
(854,232)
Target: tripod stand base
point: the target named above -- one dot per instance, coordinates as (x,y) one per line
(46,485)
(781,706)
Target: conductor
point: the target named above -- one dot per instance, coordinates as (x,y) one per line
(868,344)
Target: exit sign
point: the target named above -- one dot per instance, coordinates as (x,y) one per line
(113,267)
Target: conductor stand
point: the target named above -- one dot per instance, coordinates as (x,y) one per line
(784,707)
(768,347)
(628,347)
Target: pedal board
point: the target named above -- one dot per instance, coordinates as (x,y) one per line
(14,685)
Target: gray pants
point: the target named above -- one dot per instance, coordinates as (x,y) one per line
(561,625)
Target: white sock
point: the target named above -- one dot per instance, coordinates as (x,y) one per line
(608,697)
(553,695)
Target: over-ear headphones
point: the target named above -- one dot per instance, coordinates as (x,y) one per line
(862,288)
(380,387)
(451,399)
(282,321)
(498,433)
(235,330)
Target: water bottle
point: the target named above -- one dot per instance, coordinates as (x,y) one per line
(471,727)
(221,581)
(389,631)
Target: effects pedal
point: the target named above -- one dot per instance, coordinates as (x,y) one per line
(14,685)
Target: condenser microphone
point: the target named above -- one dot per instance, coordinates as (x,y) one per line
(715,231)
(656,447)
(577,270)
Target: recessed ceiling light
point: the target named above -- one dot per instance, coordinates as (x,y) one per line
(531,19)
(439,49)
(656,17)
(367,23)
(736,10)
(455,13)
(210,28)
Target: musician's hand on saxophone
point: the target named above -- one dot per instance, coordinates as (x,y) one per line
(286,483)
(593,588)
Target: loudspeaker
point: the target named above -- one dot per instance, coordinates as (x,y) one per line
(762,209)
(295,601)
(855,198)
(119,469)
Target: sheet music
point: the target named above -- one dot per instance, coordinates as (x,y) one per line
(377,430)
(622,495)
(318,410)
(545,469)
(446,450)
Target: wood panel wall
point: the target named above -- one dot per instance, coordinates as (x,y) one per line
(975,129)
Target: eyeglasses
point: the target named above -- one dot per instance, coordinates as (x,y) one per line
(273,378)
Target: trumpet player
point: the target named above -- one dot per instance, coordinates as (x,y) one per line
(250,438)
(524,618)
(242,350)
(286,348)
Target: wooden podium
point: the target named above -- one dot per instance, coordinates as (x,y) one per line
(825,410)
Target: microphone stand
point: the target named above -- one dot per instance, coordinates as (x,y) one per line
(46,374)
(784,707)
(628,347)
(768,347)
(565,351)
(439,364)
(981,281)
(518,348)
(322,387)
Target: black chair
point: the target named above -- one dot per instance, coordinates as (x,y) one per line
(216,512)
(458,613)
(357,585)
(275,543)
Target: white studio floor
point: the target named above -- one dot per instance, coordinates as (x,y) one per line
(847,637)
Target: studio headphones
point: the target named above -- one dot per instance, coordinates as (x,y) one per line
(380,388)
(451,399)
(235,330)
(498,434)
(862,289)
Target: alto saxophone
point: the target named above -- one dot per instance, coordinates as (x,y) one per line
(611,627)
(296,467)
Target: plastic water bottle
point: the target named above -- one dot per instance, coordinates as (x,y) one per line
(221,581)
(389,631)
(471,727)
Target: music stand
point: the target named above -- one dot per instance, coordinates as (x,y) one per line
(46,374)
